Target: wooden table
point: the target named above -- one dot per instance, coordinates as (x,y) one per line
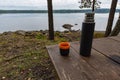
(103,64)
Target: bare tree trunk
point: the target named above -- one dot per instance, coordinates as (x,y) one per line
(50,20)
(116,29)
(111,18)
(93,6)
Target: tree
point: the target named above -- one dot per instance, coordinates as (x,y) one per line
(93,6)
(96,4)
(111,17)
(50,20)
(116,29)
(90,4)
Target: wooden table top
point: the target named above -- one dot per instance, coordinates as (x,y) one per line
(103,64)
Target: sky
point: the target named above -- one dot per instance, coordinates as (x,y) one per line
(42,4)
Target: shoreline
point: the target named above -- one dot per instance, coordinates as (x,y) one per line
(46,31)
(68,35)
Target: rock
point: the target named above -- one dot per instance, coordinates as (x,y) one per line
(20,32)
(31,34)
(66,31)
(76,24)
(6,33)
(67,26)
(27,33)
(45,32)
(3,77)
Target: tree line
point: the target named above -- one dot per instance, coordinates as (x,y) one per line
(59,11)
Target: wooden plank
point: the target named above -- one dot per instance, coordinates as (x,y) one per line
(108,47)
(117,38)
(104,65)
(73,67)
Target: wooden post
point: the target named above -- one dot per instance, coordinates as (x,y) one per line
(50,20)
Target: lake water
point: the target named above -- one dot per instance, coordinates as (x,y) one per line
(28,22)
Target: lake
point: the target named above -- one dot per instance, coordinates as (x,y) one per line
(36,21)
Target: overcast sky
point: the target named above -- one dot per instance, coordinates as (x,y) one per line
(42,4)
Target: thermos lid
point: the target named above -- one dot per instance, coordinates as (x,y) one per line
(89,17)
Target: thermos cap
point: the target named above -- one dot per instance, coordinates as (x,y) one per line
(64,45)
(89,17)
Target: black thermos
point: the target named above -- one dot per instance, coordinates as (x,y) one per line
(87,35)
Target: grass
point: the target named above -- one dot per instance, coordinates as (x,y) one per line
(98,34)
(24,57)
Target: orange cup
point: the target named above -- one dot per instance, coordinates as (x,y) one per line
(64,48)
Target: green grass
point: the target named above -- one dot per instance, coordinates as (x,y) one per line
(98,35)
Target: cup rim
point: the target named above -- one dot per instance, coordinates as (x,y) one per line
(64,45)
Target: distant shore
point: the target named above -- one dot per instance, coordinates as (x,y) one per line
(101,10)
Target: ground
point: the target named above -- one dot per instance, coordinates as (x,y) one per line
(23,55)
